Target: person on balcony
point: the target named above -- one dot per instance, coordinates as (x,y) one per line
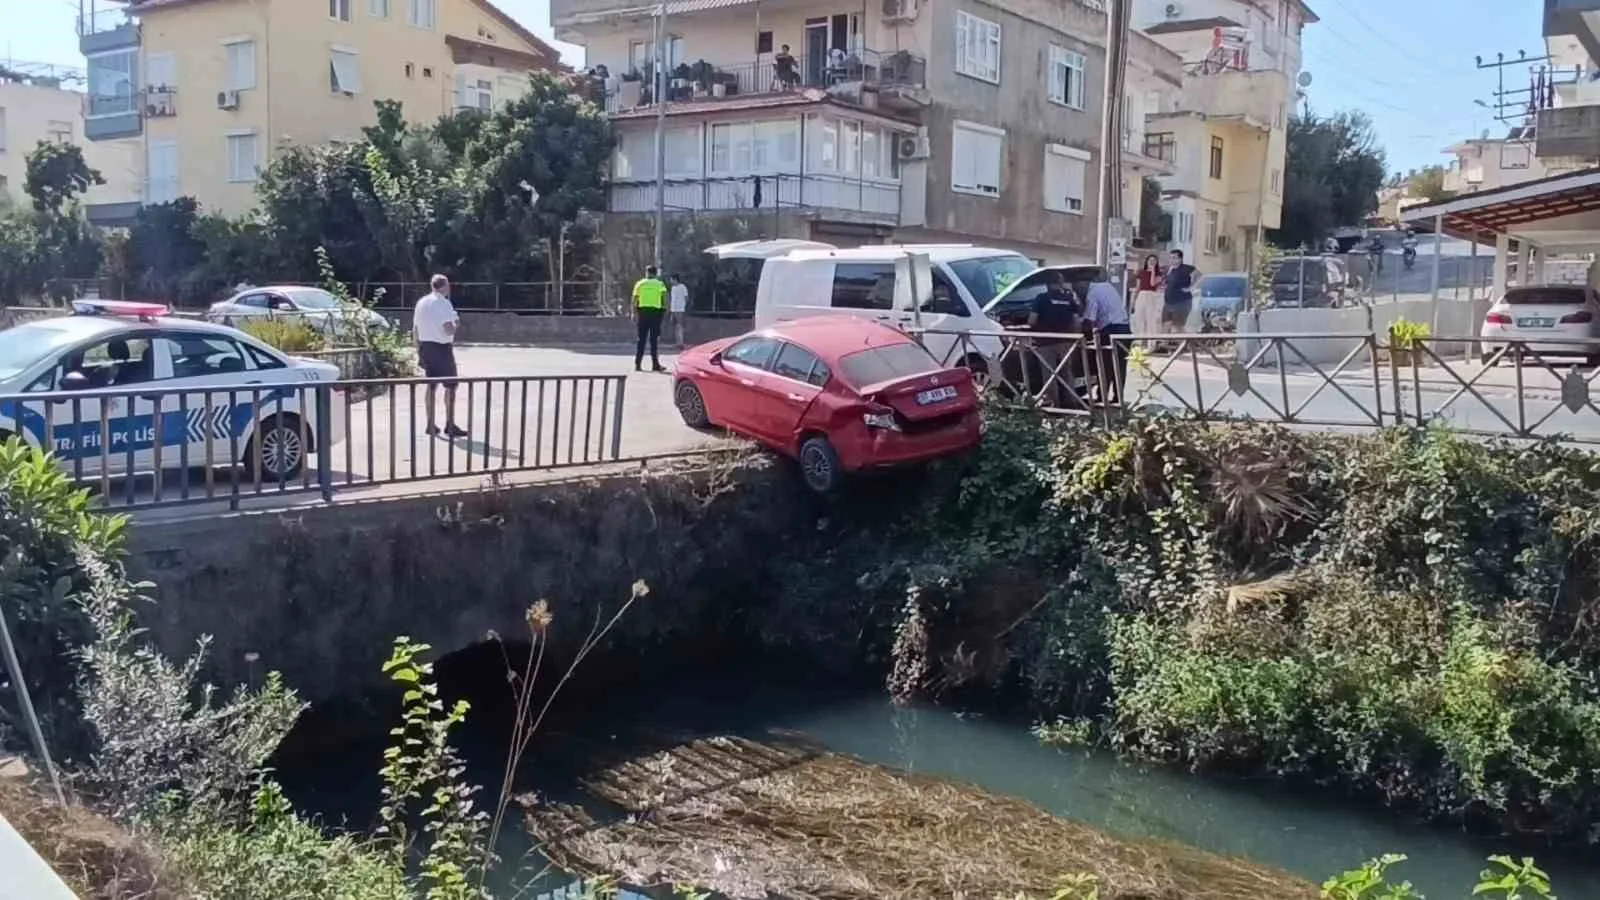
(785,73)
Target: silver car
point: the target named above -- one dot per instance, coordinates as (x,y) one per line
(318,308)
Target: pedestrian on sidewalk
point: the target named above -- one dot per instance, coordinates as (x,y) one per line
(1108,317)
(1147,297)
(649,306)
(433,327)
(1178,297)
(679,301)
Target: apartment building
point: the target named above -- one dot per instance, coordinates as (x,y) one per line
(1226,131)
(213,89)
(1567,121)
(887,120)
(38,109)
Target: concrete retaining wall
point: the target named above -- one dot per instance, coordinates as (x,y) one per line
(1447,318)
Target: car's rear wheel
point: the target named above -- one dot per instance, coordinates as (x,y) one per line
(819,465)
(691,405)
(277,452)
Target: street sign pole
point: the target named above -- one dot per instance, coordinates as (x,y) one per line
(1119,232)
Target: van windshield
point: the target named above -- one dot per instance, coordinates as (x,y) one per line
(986,276)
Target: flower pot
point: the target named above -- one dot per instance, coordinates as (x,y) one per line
(1403,358)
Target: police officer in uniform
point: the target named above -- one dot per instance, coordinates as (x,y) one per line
(649,307)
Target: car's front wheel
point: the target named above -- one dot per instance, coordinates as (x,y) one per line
(819,465)
(278,450)
(691,405)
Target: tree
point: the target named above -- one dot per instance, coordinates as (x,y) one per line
(1332,173)
(1155,223)
(56,176)
(1427,183)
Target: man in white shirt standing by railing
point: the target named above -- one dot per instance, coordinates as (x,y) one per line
(433,325)
(678,305)
(1107,316)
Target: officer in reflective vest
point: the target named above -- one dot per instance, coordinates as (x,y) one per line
(649,306)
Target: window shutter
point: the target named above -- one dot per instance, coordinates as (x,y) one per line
(989,162)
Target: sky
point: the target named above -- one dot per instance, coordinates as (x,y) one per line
(1407,63)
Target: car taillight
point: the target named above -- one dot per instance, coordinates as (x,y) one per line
(880,418)
(1497,318)
(1577,318)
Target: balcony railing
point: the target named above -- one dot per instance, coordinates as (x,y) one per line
(103,21)
(116,104)
(893,73)
(160,101)
(791,192)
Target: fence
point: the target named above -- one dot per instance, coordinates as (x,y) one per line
(146,448)
(1510,389)
(560,298)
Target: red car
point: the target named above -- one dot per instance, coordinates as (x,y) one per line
(838,394)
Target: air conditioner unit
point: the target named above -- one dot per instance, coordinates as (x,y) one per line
(1174,10)
(227,99)
(899,10)
(912,146)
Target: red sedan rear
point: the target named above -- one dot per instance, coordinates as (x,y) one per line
(837,393)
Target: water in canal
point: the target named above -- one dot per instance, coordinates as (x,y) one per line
(1309,836)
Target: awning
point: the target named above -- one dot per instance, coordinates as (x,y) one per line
(1562,211)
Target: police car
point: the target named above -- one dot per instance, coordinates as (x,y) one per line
(87,363)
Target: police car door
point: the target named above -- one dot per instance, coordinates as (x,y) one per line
(104,429)
(208,402)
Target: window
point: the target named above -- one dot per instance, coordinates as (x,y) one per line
(2,128)
(850,137)
(683,152)
(411,70)
(344,76)
(60,131)
(241,65)
(427,71)
(945,301)
(1216,157)
(887,363)
(828,146)
(863,286)
(161,168)
(641,54)
(242,157)
(262,358)
(1065,171)
(200,355)
(977,47)
(339,9)
(763,42)
(1161,145)
(1183,227)
(775,146)
(1515,155)
(160,71)
(111,83)
(253,301)
(755,352)
(730,148)
(975,159)
(1066,77)
(1213,226)
(794,361)
(422,13)
(117,362)
(1277,181)
(378,9)
(485,95)
(986,276)
(871,156)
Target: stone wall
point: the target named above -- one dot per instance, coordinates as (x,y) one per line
(320,594)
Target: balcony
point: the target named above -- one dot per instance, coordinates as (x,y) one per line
(111,115)
(1568,131)
(895,82)
(1258,97)
(837,196)
(160,101)
(1579,18)
(106,28)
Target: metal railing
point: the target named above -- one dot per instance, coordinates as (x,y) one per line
(871,68)
(1528,390)
(149,447)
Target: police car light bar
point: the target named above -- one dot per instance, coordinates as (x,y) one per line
(144,312)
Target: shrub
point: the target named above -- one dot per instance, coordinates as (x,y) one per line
(287,334)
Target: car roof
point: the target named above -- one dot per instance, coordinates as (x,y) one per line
(836,336)
(94,326)
(880,252)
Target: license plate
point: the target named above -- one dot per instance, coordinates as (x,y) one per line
(1533,322)
(937,395)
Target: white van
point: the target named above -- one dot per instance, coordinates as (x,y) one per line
(862,281)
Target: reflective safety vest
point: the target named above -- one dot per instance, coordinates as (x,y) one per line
(650,293)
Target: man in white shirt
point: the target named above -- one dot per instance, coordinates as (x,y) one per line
(1107,315)
(433,326)
(678,305)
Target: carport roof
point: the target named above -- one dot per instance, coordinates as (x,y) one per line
(1562,211)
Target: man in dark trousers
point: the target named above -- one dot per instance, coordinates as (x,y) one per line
(1179,299)
(1055,312)
(649,307)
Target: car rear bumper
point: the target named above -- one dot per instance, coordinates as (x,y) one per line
(881,447)
(1541,342)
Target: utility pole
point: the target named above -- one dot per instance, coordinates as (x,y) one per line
(658,91)
(1110,230)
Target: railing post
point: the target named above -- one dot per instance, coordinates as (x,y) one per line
(616,417)
(324,438)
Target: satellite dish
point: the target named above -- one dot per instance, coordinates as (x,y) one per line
(1303,79)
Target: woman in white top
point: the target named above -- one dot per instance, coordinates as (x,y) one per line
(1147,302)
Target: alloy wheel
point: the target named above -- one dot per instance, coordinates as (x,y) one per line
(282,451)
(817,467)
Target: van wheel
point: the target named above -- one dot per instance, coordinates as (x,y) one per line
(691,405)
(979,368)
(819,465)
(277,452)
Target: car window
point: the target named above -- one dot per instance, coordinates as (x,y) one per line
(1547,295)
(794,361)
(281,303)
(879,364)
(863,286)
(23,347)
(116,362)
(755,352)
(945,300)
(254,301)
(1222,286)
(201,355)
(313,298)
(261,358)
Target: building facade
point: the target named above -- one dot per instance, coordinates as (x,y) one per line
(895,120)
(214,89)
(37,111)
(1226,130)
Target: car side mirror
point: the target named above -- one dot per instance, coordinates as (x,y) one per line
(716,358)
(75,381)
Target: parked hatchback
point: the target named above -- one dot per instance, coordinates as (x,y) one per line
(837,393)
(1539,313)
